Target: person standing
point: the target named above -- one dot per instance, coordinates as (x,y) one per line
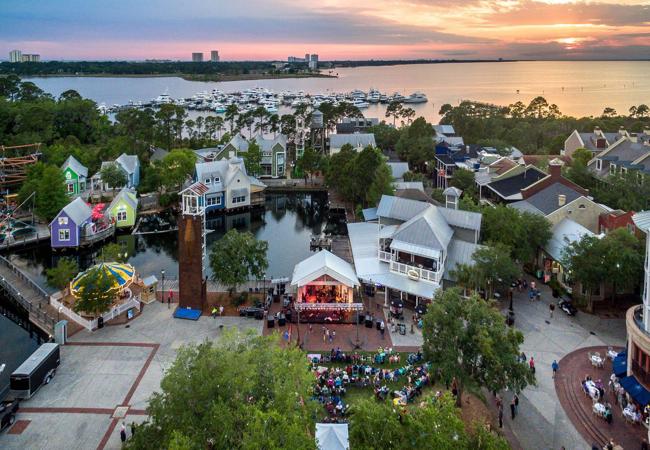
(123,433)
(500,416)
(555,366)
(531,364)
(551,308)
(326,335)
(133,425)
(220,310)
(214,312)
(513,409)
(516,400)
(332,335)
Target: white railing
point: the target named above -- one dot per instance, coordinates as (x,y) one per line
(91,325)
(87,324)
(415,272)
(385,256)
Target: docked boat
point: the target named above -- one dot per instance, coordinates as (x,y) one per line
(361,104)
(416,97)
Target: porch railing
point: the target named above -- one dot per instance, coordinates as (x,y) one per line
(415,272)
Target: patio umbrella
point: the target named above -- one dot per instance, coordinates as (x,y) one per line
(396,303)
(421,309)
(121,276)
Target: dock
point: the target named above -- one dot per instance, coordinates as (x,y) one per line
(320,243)
(23,290)
(293,185)
(42,234)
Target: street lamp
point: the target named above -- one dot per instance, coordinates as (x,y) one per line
(58,313)
(162,288)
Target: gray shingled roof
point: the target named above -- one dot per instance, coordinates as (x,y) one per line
(355,139)
(76,166)
(546,200)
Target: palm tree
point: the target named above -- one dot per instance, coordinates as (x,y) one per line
(274,124)
(261,114)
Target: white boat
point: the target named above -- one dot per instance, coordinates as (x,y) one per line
(163,99)
(219,108)
(374,96)
(360,104)
(416,97)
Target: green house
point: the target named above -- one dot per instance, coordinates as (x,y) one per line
(75,175)
(124,208)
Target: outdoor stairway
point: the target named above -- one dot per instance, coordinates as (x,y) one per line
(577,407)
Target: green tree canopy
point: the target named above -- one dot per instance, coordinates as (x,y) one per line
(253,158)
(468,340)
(415,143)
(60,275)
(113,176)
(47,184)
(96,294)
(463,179)
(246,392)
(177,167)
(309,162)
(236,257)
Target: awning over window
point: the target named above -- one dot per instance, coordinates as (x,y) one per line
(620,364)
(638,392)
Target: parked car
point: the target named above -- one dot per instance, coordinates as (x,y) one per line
(565,305)
(8,411)
(21,232)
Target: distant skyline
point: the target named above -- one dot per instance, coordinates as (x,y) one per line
(335,29)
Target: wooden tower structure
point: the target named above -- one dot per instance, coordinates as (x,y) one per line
(15,162)
(317,131)
(191,248)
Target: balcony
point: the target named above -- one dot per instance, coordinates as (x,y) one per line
(415,273)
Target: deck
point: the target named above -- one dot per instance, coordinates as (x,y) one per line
(97,237)
(293,185)
(42,234)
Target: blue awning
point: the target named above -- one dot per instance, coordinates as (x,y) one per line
(638,392)
(620,364)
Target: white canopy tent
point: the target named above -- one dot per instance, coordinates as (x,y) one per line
(332,436)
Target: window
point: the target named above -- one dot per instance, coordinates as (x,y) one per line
(121,216)
(213,201)
(208,181)
(64,235)
(218,201)
(63,220)
(217,179)
(612,168)
(599,164)
(239,199)
(70,187)
(581,206)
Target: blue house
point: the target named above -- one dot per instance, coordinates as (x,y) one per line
(130,165)
(229,186)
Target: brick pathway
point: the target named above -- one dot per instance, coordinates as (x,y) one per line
(573,368)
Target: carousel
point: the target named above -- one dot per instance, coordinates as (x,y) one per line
(325,288)
(121,276)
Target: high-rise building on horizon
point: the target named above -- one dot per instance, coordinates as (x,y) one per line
(31,57)
(197,57)
(15,56)
(313,61)
(214,56)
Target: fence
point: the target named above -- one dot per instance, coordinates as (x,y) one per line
(90,325)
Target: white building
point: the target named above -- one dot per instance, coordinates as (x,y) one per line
(214,56)
(15,56)
(413,246)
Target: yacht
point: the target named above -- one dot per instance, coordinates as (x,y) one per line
(163,99)
(374,96)
(416,97)
(361,104)
(219,108)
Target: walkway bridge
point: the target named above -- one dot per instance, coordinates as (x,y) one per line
(27,293)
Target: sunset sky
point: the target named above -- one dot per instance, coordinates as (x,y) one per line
(335,29)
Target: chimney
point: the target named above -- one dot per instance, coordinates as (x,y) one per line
(622,132)
(555,168)
(561,200)
(634,137)
(597,131)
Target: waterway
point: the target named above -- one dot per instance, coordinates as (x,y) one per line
(579,88)
(286,222)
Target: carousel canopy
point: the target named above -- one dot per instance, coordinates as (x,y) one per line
(324,263)
(121,275)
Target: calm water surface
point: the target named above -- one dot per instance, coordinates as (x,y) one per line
(579,88)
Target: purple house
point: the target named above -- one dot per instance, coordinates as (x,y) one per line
(67,227)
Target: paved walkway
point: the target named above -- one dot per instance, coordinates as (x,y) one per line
(106,377)
(542,423)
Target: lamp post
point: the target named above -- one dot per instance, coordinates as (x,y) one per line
(162,288)
(58,313)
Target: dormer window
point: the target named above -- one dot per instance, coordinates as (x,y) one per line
(217,180)
(208,181)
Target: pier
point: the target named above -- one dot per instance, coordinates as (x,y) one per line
(293,185)
(24,291)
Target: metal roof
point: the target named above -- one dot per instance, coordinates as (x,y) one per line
(564,233)
(128,196)
(404,185)
(459,252)
(462,219)
(128,162)
(355,140)
(399,208)
(428,229)
(398,169)
(453,191)
(642,220)
(324,263)
(77,210)
(198,188)
(369,214)
(75,165)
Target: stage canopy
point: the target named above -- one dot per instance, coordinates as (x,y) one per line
(332,436)
(324,263)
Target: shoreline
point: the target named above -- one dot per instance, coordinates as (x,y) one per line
(186,77)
